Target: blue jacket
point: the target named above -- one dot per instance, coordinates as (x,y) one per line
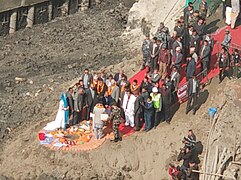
(148,108)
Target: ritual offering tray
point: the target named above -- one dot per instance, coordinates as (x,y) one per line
(76,138)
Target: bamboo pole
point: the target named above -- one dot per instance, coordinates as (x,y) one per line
(237,163)
(214,174)
(215,162)
(206,156)
(50,10)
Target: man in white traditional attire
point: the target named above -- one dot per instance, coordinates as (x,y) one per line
(128,107)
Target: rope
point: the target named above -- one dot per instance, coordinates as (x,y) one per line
(171,11)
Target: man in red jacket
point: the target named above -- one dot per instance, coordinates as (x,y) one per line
(164,61)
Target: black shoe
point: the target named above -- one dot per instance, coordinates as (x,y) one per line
(120,139)
(194,112)
(186,112)
(114,140)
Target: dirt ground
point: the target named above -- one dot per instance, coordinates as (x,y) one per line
(50,55)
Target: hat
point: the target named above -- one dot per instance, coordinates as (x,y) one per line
(154,89)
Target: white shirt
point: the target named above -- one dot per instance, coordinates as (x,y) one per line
(194,86)
(154,47)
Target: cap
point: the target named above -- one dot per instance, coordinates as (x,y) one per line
(154,89)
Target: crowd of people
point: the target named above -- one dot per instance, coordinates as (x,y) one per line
(168,58)
(189,157)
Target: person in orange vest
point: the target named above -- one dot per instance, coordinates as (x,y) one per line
(101,89)
(135,88)
(114,91)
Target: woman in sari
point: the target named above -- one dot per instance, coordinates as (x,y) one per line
(62,116)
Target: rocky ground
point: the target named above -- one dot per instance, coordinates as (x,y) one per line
(50,54)
(46,58)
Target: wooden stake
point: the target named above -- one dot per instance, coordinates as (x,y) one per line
(215,162)
(214,174)
(13,22)
(237,163)
(30,17)
(50,11)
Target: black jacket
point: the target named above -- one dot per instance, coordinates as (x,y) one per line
(186,157)
(190,87)
(90,100)
(166,96)
(191,68)
(81,101)
(137,105)
(70,101)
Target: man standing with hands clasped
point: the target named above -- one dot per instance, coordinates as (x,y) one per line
(115,116)
(193,88)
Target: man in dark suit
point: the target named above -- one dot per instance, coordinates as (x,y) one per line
(155,77)
(78,105)
(101,89)
(176,43)
(87,79)
(179,28)
(205,57)
(70,102)
(200,27)
(188,12)
(177,58)
(191,67)
(154,51)
(138,111)
(175,78)
(91,96)
(194,41)
(166,101)
(119,76)
(193,88)
(106,101)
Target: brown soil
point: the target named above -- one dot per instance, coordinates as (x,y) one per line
(42,54)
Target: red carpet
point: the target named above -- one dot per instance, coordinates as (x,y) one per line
(218,38)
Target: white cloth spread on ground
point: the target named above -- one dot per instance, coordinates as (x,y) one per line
(59,120)
(128,106)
